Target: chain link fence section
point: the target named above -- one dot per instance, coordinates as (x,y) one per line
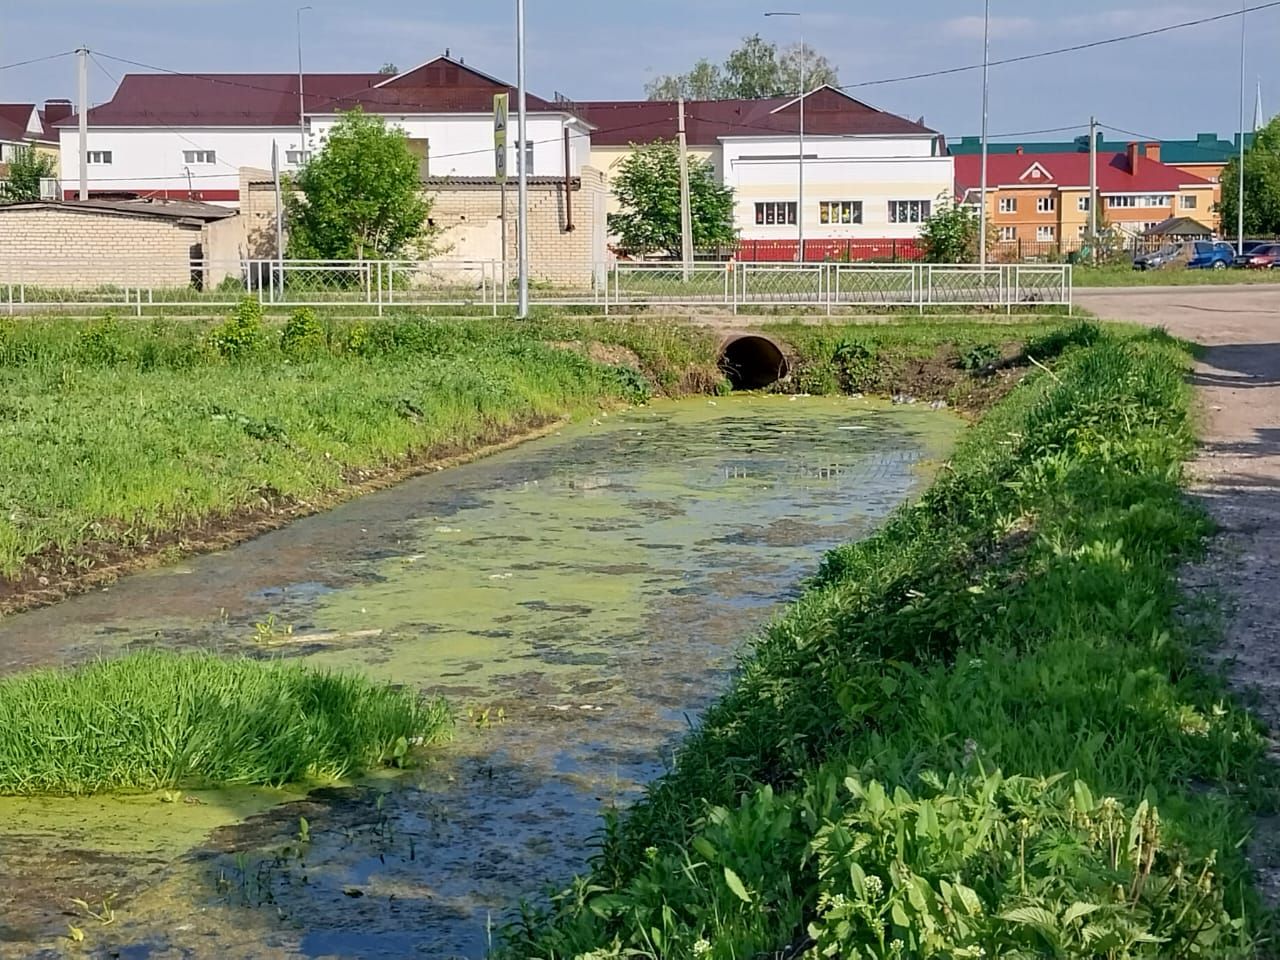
(376,287)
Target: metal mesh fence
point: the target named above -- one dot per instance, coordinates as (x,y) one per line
(376,287)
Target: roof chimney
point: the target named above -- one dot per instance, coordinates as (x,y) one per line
(1019,151)
(55,110)
(1153,152)
(1132,152)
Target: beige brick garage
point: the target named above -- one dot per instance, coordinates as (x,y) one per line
(113,243)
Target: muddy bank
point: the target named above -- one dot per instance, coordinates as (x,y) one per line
(580,599)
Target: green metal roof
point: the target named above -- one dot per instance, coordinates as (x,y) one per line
(1205,148)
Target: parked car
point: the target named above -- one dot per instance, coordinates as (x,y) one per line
(1263,257)
(1211,256)
(1166,256)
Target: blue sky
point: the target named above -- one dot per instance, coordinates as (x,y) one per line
(1173,85)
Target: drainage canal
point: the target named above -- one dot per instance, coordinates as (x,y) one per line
(752,361)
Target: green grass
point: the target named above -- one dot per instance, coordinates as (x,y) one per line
(158,721)
(114,434)
(1126,276)
(985,731)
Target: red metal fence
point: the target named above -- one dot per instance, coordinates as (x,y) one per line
(830,251)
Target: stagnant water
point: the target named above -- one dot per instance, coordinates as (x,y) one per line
(579,600)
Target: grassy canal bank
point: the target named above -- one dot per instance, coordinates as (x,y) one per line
(123,443)
(985,731)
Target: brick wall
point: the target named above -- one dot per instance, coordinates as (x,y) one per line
(83,249)
(468,220)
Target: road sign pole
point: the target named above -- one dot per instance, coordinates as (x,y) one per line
(501,108)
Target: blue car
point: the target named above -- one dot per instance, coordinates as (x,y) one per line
(1210,256)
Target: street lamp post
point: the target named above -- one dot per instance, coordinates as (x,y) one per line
(522,167)
(302,109)
(1244,6)
(800,198)
(986,66)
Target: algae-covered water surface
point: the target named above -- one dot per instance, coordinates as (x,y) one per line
(579,600)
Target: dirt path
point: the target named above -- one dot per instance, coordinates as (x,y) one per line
(1237,474)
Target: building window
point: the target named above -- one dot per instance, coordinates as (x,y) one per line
(1046,204)
(526,157)
(1046,234)
(1008,204)
(1143,200)
(99,156)
(199,156)
(297,158)
(1082,204)
(775,214)
(840,211)
(909,211)
(1008,234)
(1188,202)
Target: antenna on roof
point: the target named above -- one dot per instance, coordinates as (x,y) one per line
(446,54)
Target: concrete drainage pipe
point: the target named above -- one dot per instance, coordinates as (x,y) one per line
(752,361)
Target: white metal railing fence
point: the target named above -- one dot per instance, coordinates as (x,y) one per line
(140,286)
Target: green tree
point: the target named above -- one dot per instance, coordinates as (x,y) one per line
(27,168)
(360,197)
(950,235)
(389,69)
(1261,186)
(755,69)
(647,185)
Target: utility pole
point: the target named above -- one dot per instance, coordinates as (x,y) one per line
(1094,199)
(986,67)
(302,105)
(686,212)
(1244,6)
(82,108)
(275,176)
(522,229)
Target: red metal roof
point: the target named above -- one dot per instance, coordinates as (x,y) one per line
(1072,170)
(828,112)
(14,118)
(271,99)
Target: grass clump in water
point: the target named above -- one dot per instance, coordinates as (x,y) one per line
(156,721)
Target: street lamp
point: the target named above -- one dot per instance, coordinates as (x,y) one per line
(302,110)
(522,166)
(800,205)
(986,66)
(1244,6)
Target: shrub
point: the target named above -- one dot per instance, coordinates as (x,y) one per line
(242,334)
(303,337)
(99,342)
(980,358)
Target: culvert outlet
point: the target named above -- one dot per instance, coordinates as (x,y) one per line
(752,362)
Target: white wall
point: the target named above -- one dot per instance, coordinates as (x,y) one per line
(461,145)
(150,158)
(874,171)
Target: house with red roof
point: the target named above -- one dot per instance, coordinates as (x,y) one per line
(1044,198)
(187,136)
(869,175)
(30,126)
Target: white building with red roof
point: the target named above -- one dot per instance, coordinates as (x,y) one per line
(187,136)
(871,178)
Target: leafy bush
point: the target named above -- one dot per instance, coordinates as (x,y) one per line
(100,342)
(303,336)
(980,358)
(242,335)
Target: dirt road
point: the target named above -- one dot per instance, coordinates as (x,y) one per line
(1237,473)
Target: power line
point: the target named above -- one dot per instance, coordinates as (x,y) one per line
(26,63)
(1074,48)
